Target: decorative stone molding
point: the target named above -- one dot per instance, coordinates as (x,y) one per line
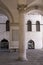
(14,24)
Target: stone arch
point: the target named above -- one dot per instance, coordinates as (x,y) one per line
(4,10)
(31,44)
(35,5)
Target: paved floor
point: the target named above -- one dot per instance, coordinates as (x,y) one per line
(35,57)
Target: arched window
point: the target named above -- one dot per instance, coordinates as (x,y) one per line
(29,26)
(7,25)
(37,26)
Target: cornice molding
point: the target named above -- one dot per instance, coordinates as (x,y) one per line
(14,24)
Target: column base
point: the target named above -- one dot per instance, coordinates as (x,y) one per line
(22,59)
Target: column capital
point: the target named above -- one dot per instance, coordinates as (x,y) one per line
(21,7)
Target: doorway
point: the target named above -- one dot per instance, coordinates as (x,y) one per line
(31,44)
(4,44)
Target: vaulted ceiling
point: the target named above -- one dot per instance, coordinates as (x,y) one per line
(12,6)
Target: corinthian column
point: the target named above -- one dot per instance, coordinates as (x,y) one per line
(22,46)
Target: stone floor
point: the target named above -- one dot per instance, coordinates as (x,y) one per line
(35,57)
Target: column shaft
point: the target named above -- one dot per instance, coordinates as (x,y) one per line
(22,46)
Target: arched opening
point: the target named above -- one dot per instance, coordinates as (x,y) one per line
(4,44)
(29,25)
(37,26)
(31,44)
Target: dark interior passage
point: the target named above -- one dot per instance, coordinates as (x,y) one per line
(4,44)
(31,44)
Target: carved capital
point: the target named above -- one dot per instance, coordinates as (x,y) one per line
(21,7)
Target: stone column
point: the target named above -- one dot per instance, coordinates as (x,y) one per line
(22,46)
